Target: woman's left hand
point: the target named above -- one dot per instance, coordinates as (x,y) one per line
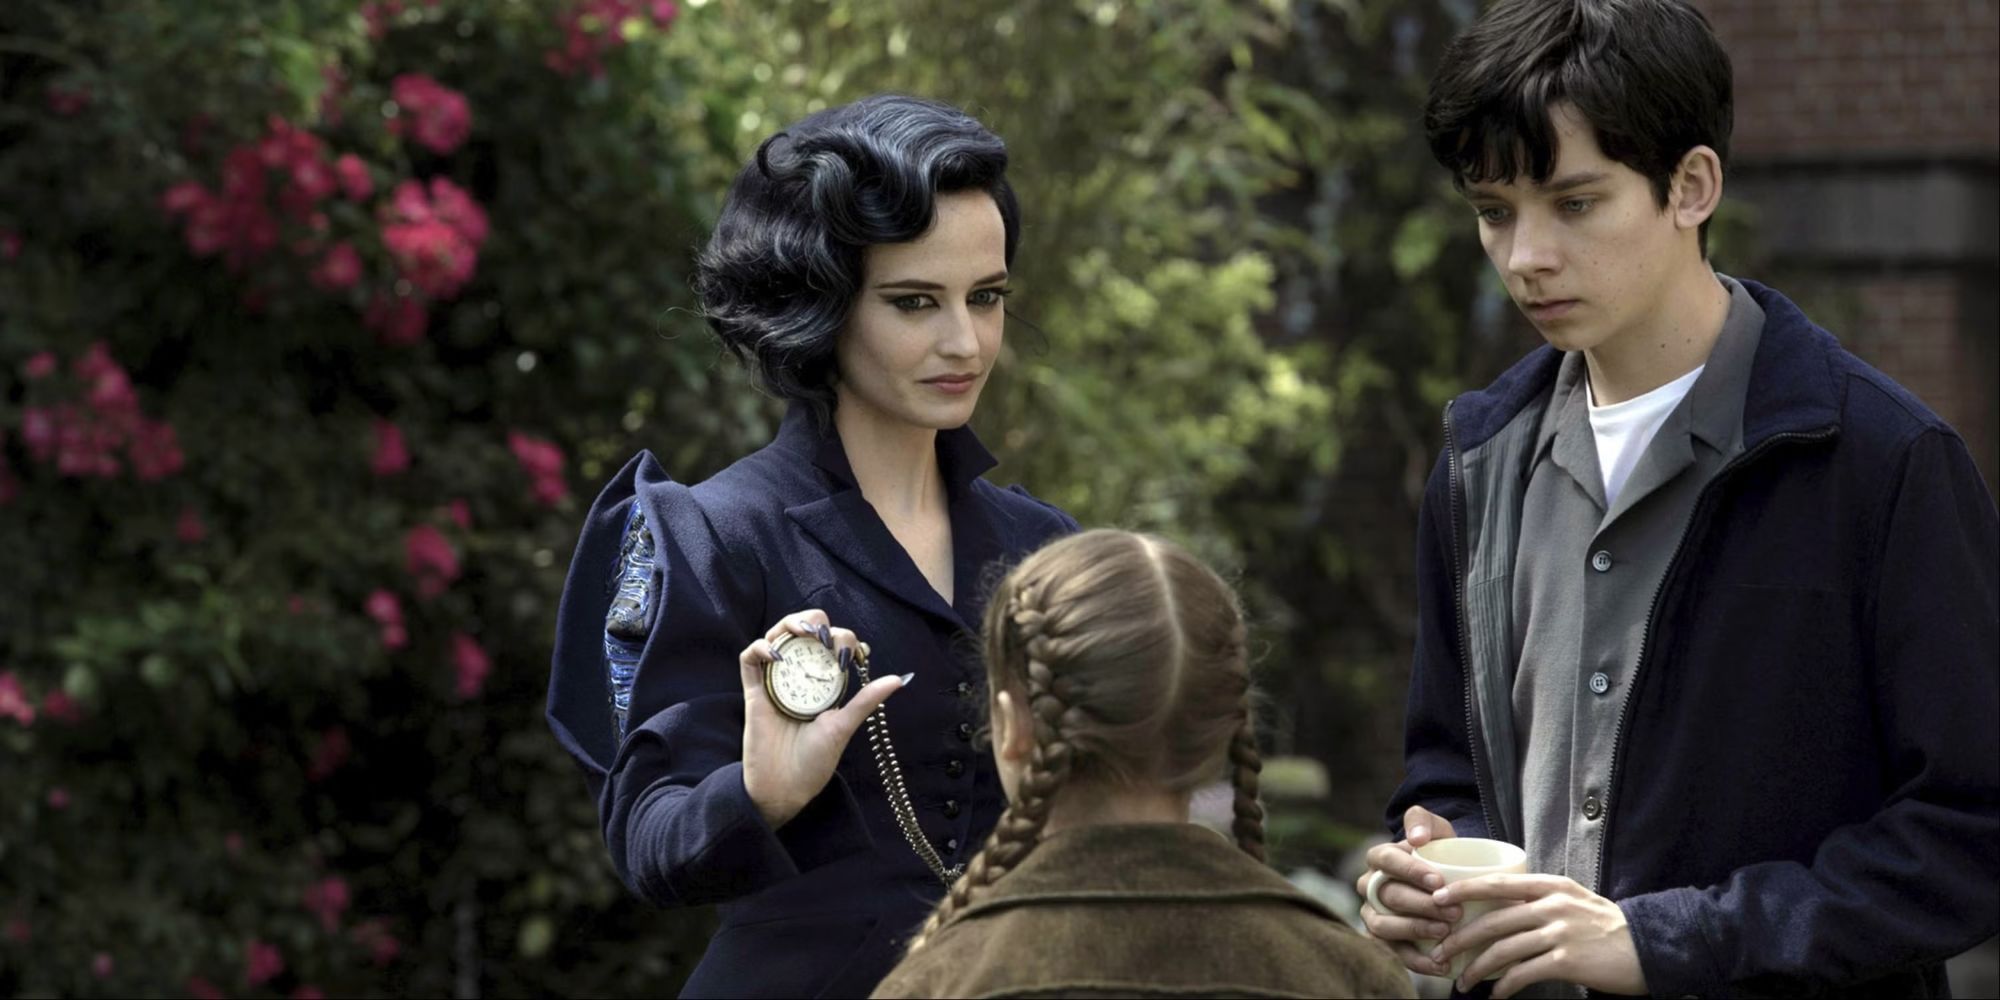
(786,762)
(1556,929)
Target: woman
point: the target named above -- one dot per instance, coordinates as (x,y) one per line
(1120,684)
(859,268)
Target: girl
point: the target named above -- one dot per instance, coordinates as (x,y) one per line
(1119,684)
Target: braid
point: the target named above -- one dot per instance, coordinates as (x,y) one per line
(1249,825)
(1049,766)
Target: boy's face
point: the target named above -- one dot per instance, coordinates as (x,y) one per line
(1588,256)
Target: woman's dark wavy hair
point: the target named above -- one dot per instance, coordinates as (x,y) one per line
(784,264)
(1648,75)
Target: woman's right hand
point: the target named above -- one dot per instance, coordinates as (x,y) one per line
(787,762)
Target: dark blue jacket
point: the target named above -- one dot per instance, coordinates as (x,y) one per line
(1805,790)
(823,905)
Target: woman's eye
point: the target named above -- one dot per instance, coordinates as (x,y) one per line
(990,296)
(1576,206)
(912,303)
(1493,216)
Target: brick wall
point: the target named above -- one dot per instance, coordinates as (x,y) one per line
(1855,77)
(1846,104)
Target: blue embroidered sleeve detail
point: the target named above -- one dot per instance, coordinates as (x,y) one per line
(626,625)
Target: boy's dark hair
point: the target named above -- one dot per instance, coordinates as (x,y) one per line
(1648,75)
(784,263)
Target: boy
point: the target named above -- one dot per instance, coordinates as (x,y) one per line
(1707,614)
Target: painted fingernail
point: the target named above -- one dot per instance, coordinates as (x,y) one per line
(846,657)
(907,678)
(826,637)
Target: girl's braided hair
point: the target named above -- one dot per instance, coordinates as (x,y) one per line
(1131,655)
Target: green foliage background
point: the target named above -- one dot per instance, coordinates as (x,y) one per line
(1244,294)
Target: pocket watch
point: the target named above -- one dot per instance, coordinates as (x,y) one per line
(804,678)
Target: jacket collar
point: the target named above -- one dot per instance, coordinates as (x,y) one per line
(1791,387)
(1138,861)
(847,526)
(961,456)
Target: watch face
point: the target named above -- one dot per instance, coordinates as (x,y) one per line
(804,678)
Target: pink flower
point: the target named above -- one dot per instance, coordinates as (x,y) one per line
(202,989)
(58,705)
(243,175)
(41,364)
(331,752)
(308,993)
(18,931)
(355,180)
(327,899)
(390,456)
(189,528)
(398,321)
(39,432)
(388,613)
(233,843)
(261,963)
(430,560)
(433,256)
(59,798)
(434,115)
(295,605)
(10,244)
(543,463)
(456,209)
(384,608)
(373,935)
(14,702)
(339,269)
(155,451)
(470,663)
(185,197)
(376,13)
(335,91)
(67,101)
(460,513)
(101,965)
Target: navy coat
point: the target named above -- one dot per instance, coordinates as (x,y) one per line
(1805,793)
(668,584)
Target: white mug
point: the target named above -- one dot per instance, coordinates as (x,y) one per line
(1458,859)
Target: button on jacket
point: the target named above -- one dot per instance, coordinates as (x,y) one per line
(1804,790)
(677,580)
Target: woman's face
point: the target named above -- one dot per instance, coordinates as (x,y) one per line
(925,329)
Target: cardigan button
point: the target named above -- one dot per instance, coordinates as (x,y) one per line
(1593,807)
(965,732)
(951,809)
(1600,682)
(1601,561)
(954,768)
(964,689)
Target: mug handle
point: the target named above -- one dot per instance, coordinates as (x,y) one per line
(1374,890)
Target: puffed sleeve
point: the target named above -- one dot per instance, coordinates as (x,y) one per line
(652,618)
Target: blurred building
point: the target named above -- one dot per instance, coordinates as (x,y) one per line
(1868,144)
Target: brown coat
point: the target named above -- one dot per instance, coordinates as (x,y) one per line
(1150,909)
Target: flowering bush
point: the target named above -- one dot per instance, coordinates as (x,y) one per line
(311,348)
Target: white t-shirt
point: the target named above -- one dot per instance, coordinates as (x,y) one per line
(1623,430)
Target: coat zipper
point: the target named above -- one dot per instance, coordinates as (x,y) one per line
(1646,633)
(1456,485)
